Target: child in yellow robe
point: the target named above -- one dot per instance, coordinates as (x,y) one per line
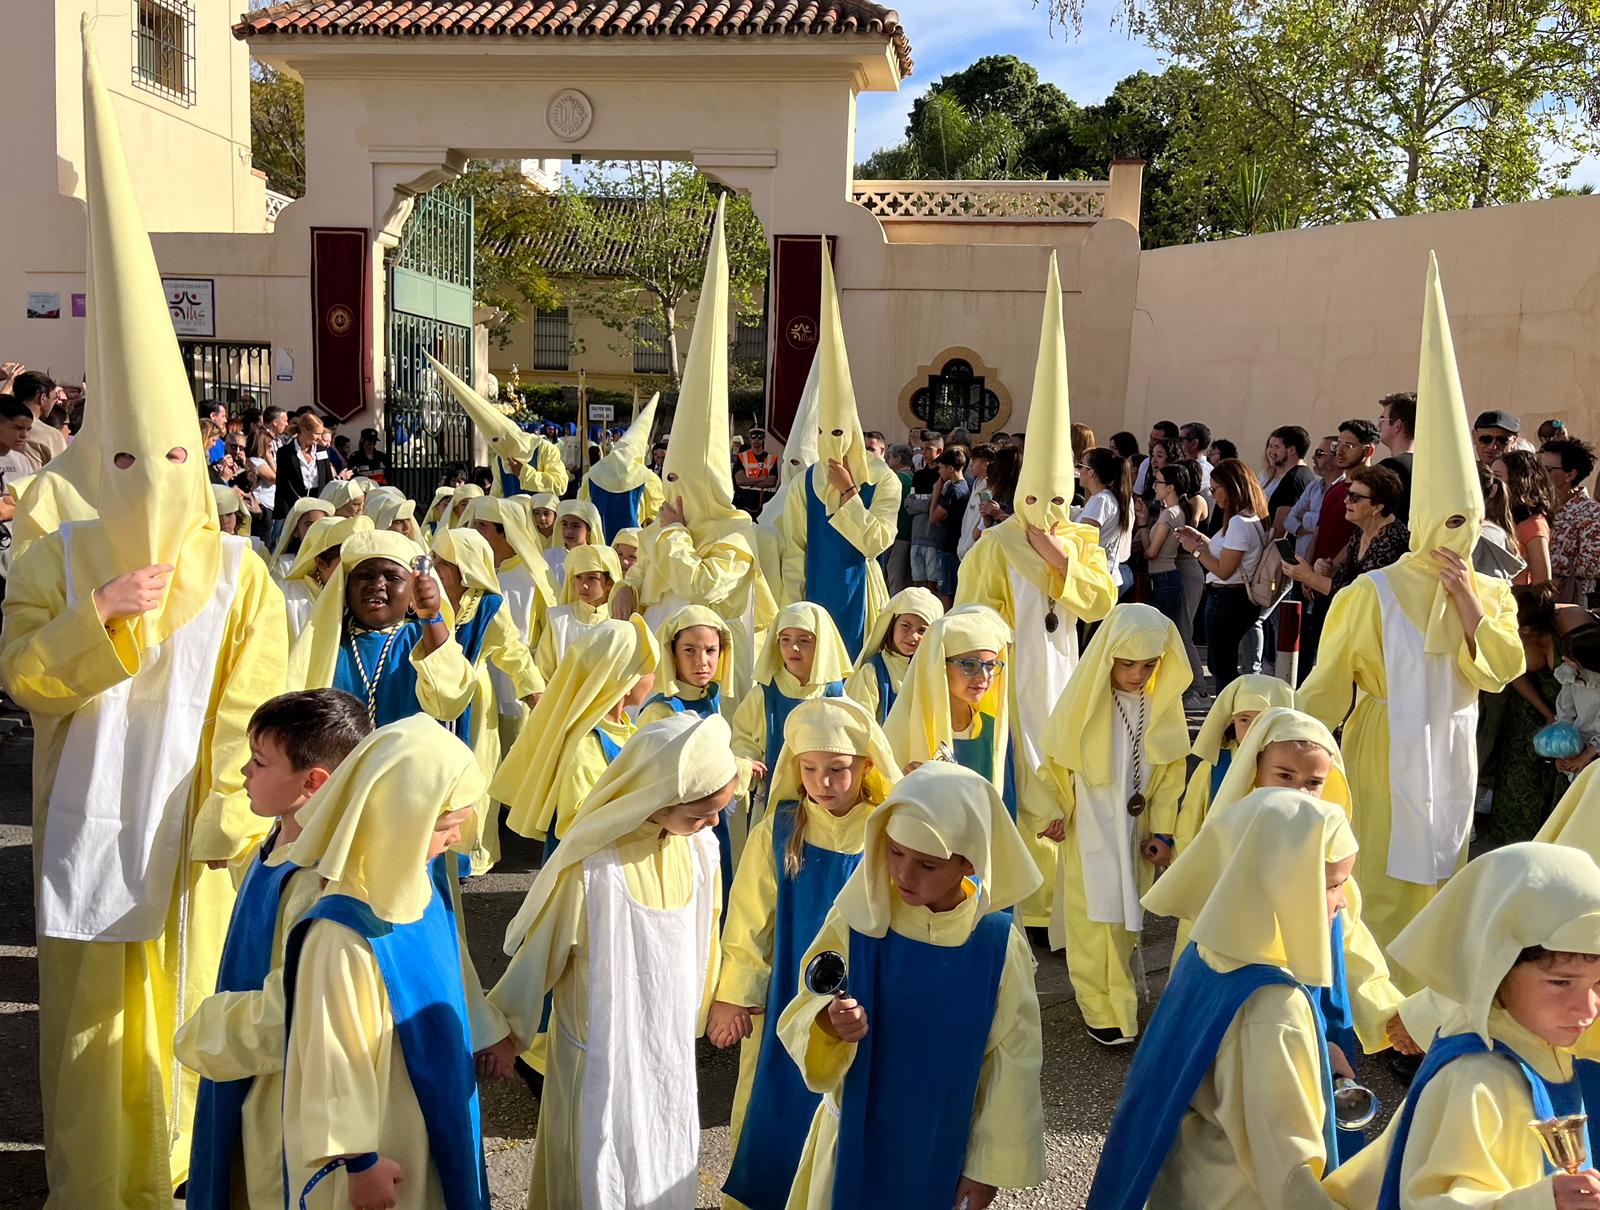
(880,670)
(626,543)
(803,658)
(696,655)
(577,524)
(835,767)
(591,573)
(1229,1102)
(379,1080)
(303,513)
(1511,949)
(928,1060)
(621,927)
(1115,748)
(1230,716)
(541,507)
(314,566)
(297,740)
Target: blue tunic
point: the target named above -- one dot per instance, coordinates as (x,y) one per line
(510,484)
(886,694)
(618,510)
(1550,1099)
(420,964)
(905,1112)
(705,706)
(779,1112)
(397,680)
(246,962)
(836,572)
(1178,1049)
(977,754)
(779,706)
(1220,770)
(470,634)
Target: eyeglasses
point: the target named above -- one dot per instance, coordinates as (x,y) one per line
(1357,496)
(972,667)
(1488,439)
(1352,445)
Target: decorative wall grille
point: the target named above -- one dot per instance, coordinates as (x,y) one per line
(1031,201)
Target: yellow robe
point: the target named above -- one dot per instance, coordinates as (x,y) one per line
(1469,1144)
(503,647)
(1252,1136)
(1088,592)
(1098,953)
(650,500)
(118,1107)
(863,682)
(660,874)
(545,473)
(870,530)
(574,782)
(747,933)
(1006,1146)
(1351,653)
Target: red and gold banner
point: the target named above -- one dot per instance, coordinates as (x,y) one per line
(341,313)
(796,292)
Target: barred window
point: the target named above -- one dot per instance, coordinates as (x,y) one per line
(650,348)
(163,49)
(552,339)
(955,398)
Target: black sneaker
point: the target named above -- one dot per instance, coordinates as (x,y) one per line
(1110,1036)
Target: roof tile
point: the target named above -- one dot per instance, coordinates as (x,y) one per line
(607,18)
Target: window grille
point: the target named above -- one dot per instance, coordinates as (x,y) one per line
(650,348)
(552,339)
(163,49)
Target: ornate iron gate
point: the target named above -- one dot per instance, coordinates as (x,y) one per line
(237,373)
(429,309)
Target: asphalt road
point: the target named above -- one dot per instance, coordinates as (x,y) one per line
(1081,1079)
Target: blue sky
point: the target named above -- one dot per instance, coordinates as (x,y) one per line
(948,35)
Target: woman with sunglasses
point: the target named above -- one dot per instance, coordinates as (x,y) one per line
(1372,505)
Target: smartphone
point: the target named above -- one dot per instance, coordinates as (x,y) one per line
(985,496)
(1286,550)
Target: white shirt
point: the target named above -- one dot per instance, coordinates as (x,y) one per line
(1244,533)
(971,519)
(308,467)
(266,493)
(1115,535)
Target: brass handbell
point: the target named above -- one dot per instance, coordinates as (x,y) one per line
(1565,1141)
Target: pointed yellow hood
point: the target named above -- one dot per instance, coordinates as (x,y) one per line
(1446,500)
(697,467)
(153,496)
(800,451)
(1045,486)
(839,436)
(623,468)
(498,429)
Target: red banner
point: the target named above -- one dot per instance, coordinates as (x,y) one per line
(341,316)
(796,293)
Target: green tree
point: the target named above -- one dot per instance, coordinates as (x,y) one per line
(1000,84)
(278,129)
(947,142)
(645,225)
(512,220)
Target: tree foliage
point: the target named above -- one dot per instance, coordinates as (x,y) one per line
(511,219)
(278,129)
(645,225)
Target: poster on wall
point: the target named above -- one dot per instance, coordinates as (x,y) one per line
(43,304)
(192,303)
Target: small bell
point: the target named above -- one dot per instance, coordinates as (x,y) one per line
(1051,622)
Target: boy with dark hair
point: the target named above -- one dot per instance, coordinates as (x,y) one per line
(297,740)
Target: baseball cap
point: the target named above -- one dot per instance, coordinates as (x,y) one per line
(1498,420)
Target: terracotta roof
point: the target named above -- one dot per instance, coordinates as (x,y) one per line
(607,18)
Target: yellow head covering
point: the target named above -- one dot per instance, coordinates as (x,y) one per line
(472,556)
(1446,500)
(585,512)
(1078,735)
(538,500)
(1255,691)
(667,683)
(1467,938)
(833,724)
(920,719)
(341,492)
(368,828)
(323,535)
(1254,882)
(918,602)
(596,673)
(679,759)
(386,505)
(458,510)
(367,486)
(626,537)
(1275,725)
(229,502)
(297,510)
(314,658)
(44,500)
(522,537)
(498,429)
(697,466)
(623,468)
(588,558)
(442,497)
(831,661)
(839,436)
(1576,820)
(154,510)
(946,811)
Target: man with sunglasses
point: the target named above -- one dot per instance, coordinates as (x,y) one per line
(1493,433)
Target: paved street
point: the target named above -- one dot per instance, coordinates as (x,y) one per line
(1081,1079)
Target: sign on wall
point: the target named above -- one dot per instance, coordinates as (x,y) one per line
(192,303)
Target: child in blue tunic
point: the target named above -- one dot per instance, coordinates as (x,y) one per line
(296,741)
(1509,952)
(928,1062)
(835,768)
(696,654)
(379,1080)
(379,632)
(1219,736)
(880,669)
